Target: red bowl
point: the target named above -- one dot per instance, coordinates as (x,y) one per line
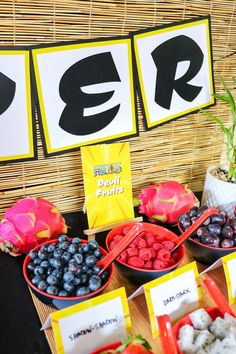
(60,302)
(212,311)
(204,253)
(141,276)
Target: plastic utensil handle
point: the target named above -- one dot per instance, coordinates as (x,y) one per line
(111,256)
(166,335)
(218,297)
(194,227)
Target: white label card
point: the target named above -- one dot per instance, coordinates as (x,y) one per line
(174,294)
(89,325)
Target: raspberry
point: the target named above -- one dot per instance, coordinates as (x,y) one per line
(153,253)
(136,262)
(141,243)
(118,237)
(136,241)
(163,255)
(160,238)
(169,245)
(113,244)
(145,254)
(150,240)
(123,256)
(157,246)
(158,265)
(132,251)
(175,255)
(148,265)
(171,261)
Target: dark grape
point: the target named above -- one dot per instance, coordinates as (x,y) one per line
(202,230)
(210,240)
(214,229)
(201,210)
(193,211)
(184,221)
(226,243)
(218,219)
(227,232)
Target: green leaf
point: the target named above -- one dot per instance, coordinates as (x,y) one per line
(222,97)
(136,202)
(230,97)
(216,119)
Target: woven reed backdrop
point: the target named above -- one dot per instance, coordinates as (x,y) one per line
(181,149)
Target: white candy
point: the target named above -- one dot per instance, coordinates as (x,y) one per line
(187,347)
(230,320)
(186,333)
(203,339)
(200,319)
(220,328)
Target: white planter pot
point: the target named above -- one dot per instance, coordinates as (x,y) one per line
(218,193)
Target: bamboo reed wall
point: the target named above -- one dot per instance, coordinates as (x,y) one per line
(180,150)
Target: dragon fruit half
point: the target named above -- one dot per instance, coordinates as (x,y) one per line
(164,201)
(29,222)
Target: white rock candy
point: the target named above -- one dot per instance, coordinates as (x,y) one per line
(186,333)
(200,319)
(203,339)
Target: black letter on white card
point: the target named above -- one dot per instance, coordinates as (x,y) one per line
(166,58)
(7,92)
(96,69)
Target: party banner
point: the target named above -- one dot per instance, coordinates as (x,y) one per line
(174,64)
(85,93)
(16,117)
(107,183)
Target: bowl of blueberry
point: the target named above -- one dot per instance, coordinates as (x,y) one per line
(147,257)
(215,238)
(64,271)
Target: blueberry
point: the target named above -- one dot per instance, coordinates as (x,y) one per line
(33,254)
(64,245)
(58,263)
(42,285)
(36,279)
(76,240)
(93,245)
(90,261)
(73,267)
(84,278)
(52,290)
(95,283)
(84,268)
(57,253)
(96,269)
(57,273)
(45,264)
(51,261)
(30,267)
(66,256)
(51,247)
(44,247)
(98,254)
(63,293)
(49,271)
(89,272)
(52,279)
(37,261)
(104,276)
(72,248)
(78,257)
(69,286)
(77,281)
(85,248)
(62,238)
(38,270)
(80,249)
(68,276)
(82,291)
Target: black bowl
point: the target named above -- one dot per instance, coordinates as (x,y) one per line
(204,253)
(142,276)
(60,302)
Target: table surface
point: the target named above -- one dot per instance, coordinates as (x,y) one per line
(22,313)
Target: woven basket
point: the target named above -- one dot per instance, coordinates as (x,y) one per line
(180,150)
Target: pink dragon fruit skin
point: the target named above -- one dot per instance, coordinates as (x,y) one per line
(29,222)
(164,201)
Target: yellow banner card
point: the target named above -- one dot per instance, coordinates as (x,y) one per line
(229,265)
(107,183)
(175,294)
(86,326)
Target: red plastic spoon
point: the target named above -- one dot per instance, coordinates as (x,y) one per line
(111,256)
(194,227)
(166,335)
(217,296)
